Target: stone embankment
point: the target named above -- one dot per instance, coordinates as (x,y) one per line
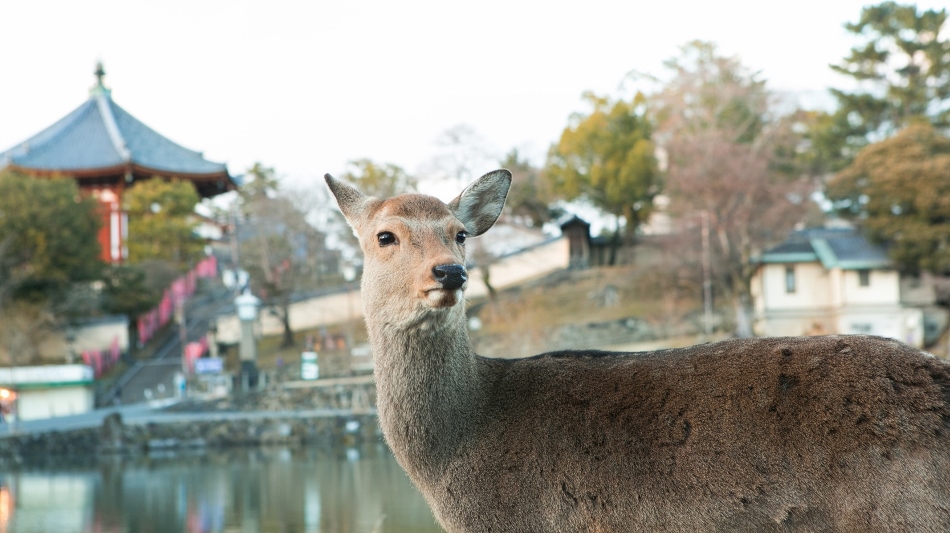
(335,412)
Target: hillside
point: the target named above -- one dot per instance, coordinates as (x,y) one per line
(598,307)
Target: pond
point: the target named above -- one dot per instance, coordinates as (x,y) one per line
(251,490)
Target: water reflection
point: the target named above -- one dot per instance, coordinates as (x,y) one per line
(240,490)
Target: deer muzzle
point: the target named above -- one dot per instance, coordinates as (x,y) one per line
(451,277)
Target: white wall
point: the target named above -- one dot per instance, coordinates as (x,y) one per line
(812,286)
(884,288)
(39,403)
(308,314)
(521,267)
(334,309)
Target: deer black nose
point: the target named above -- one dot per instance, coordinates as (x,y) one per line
(451,277)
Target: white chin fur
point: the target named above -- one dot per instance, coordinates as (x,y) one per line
(440,298)
(434,314)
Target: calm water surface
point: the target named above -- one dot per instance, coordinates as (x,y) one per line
(240,490)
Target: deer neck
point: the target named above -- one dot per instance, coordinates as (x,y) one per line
(428,390)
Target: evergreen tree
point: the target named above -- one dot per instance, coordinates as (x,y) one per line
(48,237)
(607,157)
(902,65)
(48,245)
(899,190)
(161,222)
(530,197)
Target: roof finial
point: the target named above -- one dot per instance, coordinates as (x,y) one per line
(100,72)
(99,89)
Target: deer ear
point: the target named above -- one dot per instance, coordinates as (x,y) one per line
(350,200)
(480,204)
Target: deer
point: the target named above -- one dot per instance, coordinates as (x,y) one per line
(830,433)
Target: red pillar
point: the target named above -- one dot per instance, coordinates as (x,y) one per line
(112,234)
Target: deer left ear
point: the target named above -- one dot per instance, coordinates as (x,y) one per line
(350,200)
(480,204)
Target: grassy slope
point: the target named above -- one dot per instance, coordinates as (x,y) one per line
(523,320)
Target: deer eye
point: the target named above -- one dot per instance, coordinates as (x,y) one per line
(460,237)
(386,238)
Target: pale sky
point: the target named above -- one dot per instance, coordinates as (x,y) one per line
(306,86)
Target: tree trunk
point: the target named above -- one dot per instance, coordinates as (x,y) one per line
(615,243)
(483,260)
(743,316)
(486,278)
(288,341)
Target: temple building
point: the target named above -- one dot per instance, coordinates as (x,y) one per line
(107,150)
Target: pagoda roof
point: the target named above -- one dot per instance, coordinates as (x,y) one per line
(100,137)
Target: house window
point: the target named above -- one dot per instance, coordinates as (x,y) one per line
(864,277)
(790,279)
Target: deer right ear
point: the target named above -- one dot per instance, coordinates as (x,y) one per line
(350,200)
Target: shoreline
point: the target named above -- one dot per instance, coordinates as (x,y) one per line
(190,431)
(327,412)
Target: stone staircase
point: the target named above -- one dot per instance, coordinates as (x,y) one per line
(154,378)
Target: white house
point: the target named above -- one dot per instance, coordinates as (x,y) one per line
(49,391)
(823,281)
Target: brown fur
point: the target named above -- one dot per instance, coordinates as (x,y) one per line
(839,433)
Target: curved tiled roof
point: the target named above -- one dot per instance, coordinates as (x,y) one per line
(841,247)
(100,135)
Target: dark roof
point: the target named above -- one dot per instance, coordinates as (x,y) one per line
(101,135)
(574,221)
(839,247)
(791,247)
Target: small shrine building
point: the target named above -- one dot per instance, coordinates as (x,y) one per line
(107,150)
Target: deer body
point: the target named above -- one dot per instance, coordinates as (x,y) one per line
(839,433)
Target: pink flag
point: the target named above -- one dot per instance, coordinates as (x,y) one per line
(115,351)
(193,350)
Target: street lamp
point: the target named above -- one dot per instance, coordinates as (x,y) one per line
(247,307)
(70,346)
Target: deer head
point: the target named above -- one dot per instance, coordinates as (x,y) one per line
(414,247)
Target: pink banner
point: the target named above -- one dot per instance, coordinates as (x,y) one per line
(180,290)
(115,351)
(194,350)
(102,361)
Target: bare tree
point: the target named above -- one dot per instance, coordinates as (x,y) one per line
(728,156)
(382,180)
(747,205)
(283,253)
(463,155)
